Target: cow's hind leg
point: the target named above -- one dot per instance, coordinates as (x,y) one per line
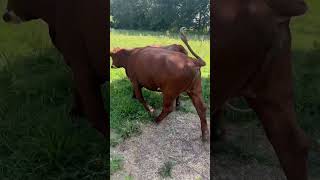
(196,97)
(168,100)
(288,140)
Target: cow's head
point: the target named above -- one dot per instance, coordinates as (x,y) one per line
(119,57)
(18,11)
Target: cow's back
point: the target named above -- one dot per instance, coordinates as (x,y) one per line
(157,67)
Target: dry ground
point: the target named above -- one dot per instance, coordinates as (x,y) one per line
(177,140)
(245,154)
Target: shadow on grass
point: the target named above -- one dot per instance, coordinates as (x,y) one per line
(37,139)
(126,113)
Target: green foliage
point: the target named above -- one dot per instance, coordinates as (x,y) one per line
(160,15)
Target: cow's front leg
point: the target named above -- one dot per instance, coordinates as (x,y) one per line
(139,97)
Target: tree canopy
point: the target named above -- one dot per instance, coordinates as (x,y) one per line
(160,15)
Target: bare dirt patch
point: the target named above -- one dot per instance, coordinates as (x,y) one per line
(245,154)
(176,140)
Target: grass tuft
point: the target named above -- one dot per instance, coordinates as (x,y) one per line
(166,170)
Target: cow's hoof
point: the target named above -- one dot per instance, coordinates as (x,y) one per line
(157,121)
(152,112)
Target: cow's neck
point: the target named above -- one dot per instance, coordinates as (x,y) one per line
(124,64)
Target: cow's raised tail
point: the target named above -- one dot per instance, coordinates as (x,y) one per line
(184,39)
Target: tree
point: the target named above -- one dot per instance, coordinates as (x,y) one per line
(160,15)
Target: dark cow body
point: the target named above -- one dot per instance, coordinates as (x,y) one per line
(252,58)
(78,30)
(165,70)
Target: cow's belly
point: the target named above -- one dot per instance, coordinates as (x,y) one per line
(231,74)
(166,83)
(148,81)
(151,86)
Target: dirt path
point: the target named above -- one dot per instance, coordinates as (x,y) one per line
(176,140)
(246,154)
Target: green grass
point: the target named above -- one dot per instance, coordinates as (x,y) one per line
(306,56)
(166,170)
(116,163)
(127,114)
(37,139)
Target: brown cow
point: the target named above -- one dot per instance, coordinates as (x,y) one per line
(172,47)
(167,71)
(252,58)
(79,31)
